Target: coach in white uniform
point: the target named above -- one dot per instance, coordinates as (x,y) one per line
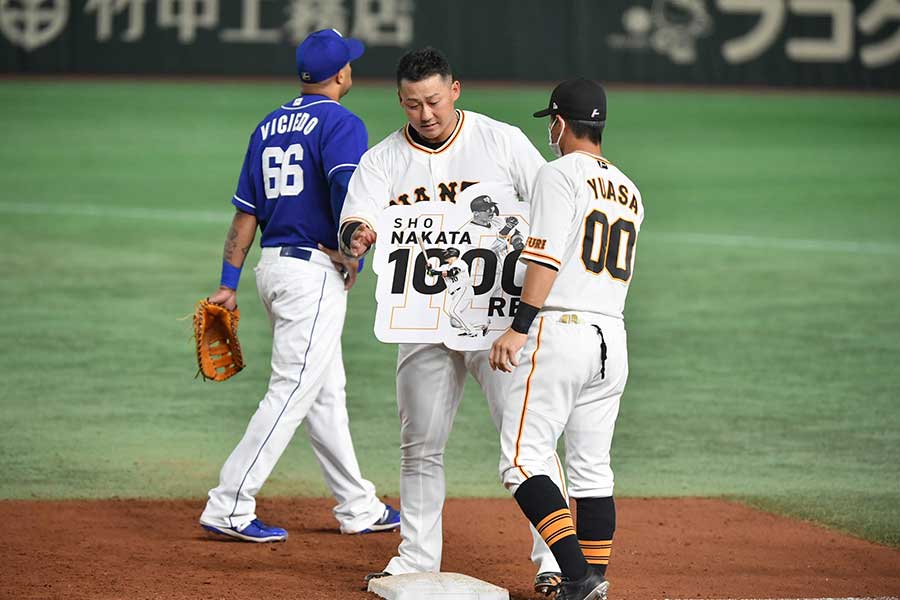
(440,151)
(585,219)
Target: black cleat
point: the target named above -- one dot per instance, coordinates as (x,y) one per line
(592,586)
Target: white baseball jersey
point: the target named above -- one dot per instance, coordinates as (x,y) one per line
(456,276)
(585,219)
(490,233)
(400,171)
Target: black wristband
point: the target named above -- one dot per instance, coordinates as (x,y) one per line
(525,315)
(346,235)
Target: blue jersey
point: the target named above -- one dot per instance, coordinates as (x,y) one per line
(292,157)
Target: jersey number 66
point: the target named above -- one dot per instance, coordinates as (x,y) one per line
(282,173)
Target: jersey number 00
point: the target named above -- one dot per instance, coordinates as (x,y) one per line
(602,245)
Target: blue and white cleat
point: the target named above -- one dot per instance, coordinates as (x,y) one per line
(389,520)
(254,531)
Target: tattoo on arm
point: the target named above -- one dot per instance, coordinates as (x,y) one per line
(230,244)
(234,251)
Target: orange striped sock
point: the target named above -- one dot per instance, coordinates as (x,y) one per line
(596,552)
(556,526)
(548,511)
(596,527)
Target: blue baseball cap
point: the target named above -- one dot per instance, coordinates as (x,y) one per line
(323,53)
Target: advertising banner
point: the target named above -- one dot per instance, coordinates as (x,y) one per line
(833,43)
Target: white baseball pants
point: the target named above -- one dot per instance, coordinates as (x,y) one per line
(306,303)
(457,303)
(562,385)
(430,379)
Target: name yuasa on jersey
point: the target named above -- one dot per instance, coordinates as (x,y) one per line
(400,171)
(585,219)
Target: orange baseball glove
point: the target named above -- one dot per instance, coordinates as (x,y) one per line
(218,349)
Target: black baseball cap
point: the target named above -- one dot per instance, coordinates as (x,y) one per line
(580,99)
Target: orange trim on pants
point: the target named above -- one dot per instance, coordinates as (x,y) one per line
(525,404)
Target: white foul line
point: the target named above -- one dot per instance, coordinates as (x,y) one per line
(752,241)
(223,216)
(118,212)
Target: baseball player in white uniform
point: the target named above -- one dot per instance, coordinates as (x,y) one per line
(292,186)
(569,328)
(487,222)
(455,273)
(488,230)
(440,151)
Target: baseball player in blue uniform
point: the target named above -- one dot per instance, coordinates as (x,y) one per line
(292,185)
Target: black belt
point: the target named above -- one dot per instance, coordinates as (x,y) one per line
(295,252)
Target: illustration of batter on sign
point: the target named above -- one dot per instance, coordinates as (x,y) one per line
(455,273)
(463,290)
(487,223)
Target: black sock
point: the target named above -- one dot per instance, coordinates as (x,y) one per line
(596,526)
(545,507)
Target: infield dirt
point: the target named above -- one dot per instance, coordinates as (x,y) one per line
(664,548)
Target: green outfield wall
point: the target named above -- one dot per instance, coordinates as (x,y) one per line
(829,43)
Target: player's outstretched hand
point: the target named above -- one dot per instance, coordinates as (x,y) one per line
(505,351)
(224,296)
(362,240)
(348,267)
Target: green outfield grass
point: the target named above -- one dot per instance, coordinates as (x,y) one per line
(764,316)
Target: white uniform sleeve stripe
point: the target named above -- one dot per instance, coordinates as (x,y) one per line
(336,167)
(303,106)
(546,261)
(243,202)
(541,255)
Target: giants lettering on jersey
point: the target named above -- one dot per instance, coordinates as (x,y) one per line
(607,190)
(446,192)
